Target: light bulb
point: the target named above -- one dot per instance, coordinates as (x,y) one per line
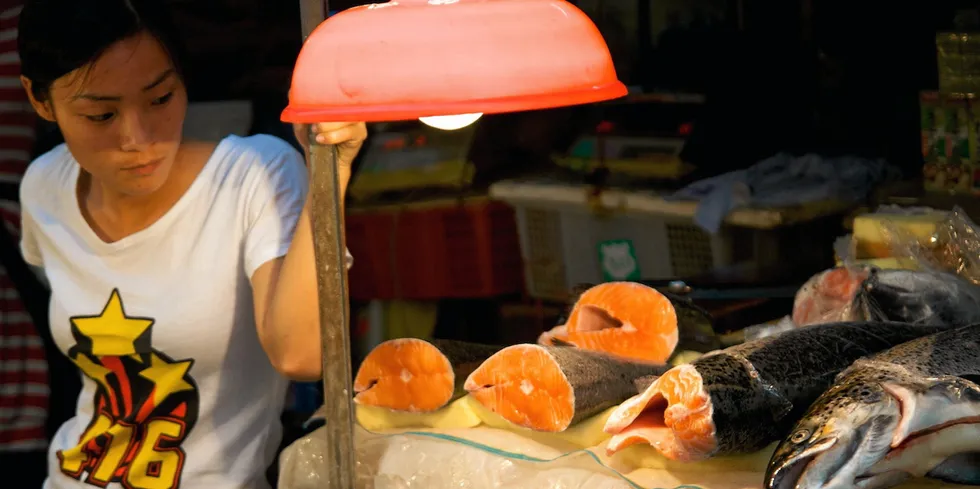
(450,122)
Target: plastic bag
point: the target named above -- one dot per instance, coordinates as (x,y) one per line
(927,287)
(865,293)
(490,458)
(438,460)
(954,248)
(918,297)
(759,331)
(828,297)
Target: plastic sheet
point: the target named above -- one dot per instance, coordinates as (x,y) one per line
(498,455)
(954,248)
(866,293)
(489,458)
(828,296)
(436,459)
(759,331)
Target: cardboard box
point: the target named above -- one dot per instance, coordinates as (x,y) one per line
(950,127)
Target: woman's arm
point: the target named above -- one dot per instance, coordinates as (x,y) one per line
(285,289)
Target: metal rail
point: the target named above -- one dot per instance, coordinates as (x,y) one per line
(328,244)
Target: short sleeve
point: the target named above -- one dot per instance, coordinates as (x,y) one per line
(278,193)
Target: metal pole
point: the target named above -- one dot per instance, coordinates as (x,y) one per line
(328,246)
(312,13)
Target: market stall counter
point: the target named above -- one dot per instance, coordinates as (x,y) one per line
(609,400)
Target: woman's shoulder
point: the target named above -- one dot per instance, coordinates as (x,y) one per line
(261,149)
(48,164)
(258,160)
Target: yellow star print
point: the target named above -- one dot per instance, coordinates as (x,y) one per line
(112,333)
(168,378)
(93,370)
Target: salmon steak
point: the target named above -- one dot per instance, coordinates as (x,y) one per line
(627,320)
(741,399)
(417,376)
(549,389)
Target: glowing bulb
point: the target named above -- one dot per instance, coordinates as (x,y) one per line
(450,122)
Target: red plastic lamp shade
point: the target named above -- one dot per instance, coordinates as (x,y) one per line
(411,59)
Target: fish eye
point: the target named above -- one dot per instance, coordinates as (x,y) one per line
(800,436)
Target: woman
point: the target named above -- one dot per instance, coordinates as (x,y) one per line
(182,275)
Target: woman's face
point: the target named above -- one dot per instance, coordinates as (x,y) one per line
(122,115)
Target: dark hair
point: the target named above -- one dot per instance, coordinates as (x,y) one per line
(56,37)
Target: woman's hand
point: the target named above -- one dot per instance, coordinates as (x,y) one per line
(347,136)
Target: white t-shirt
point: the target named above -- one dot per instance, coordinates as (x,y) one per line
(177,390)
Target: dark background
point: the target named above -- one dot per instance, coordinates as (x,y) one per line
(801,75)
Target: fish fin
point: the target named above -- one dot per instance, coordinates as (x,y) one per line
(962,468)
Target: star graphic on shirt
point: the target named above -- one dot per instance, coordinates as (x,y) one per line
(167,377)
(111,333)
(93,370)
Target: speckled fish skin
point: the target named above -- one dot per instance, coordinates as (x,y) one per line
(759,388)
(867,430)
(465,357)
(595,382)
(918,297)
(694,326)
(599,381)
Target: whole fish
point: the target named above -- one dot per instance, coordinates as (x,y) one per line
(910,411)
(745,397)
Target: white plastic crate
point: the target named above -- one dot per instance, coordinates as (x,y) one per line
(560,242)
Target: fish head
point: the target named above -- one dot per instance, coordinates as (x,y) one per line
(893,295)
(919,297)
(844,433)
